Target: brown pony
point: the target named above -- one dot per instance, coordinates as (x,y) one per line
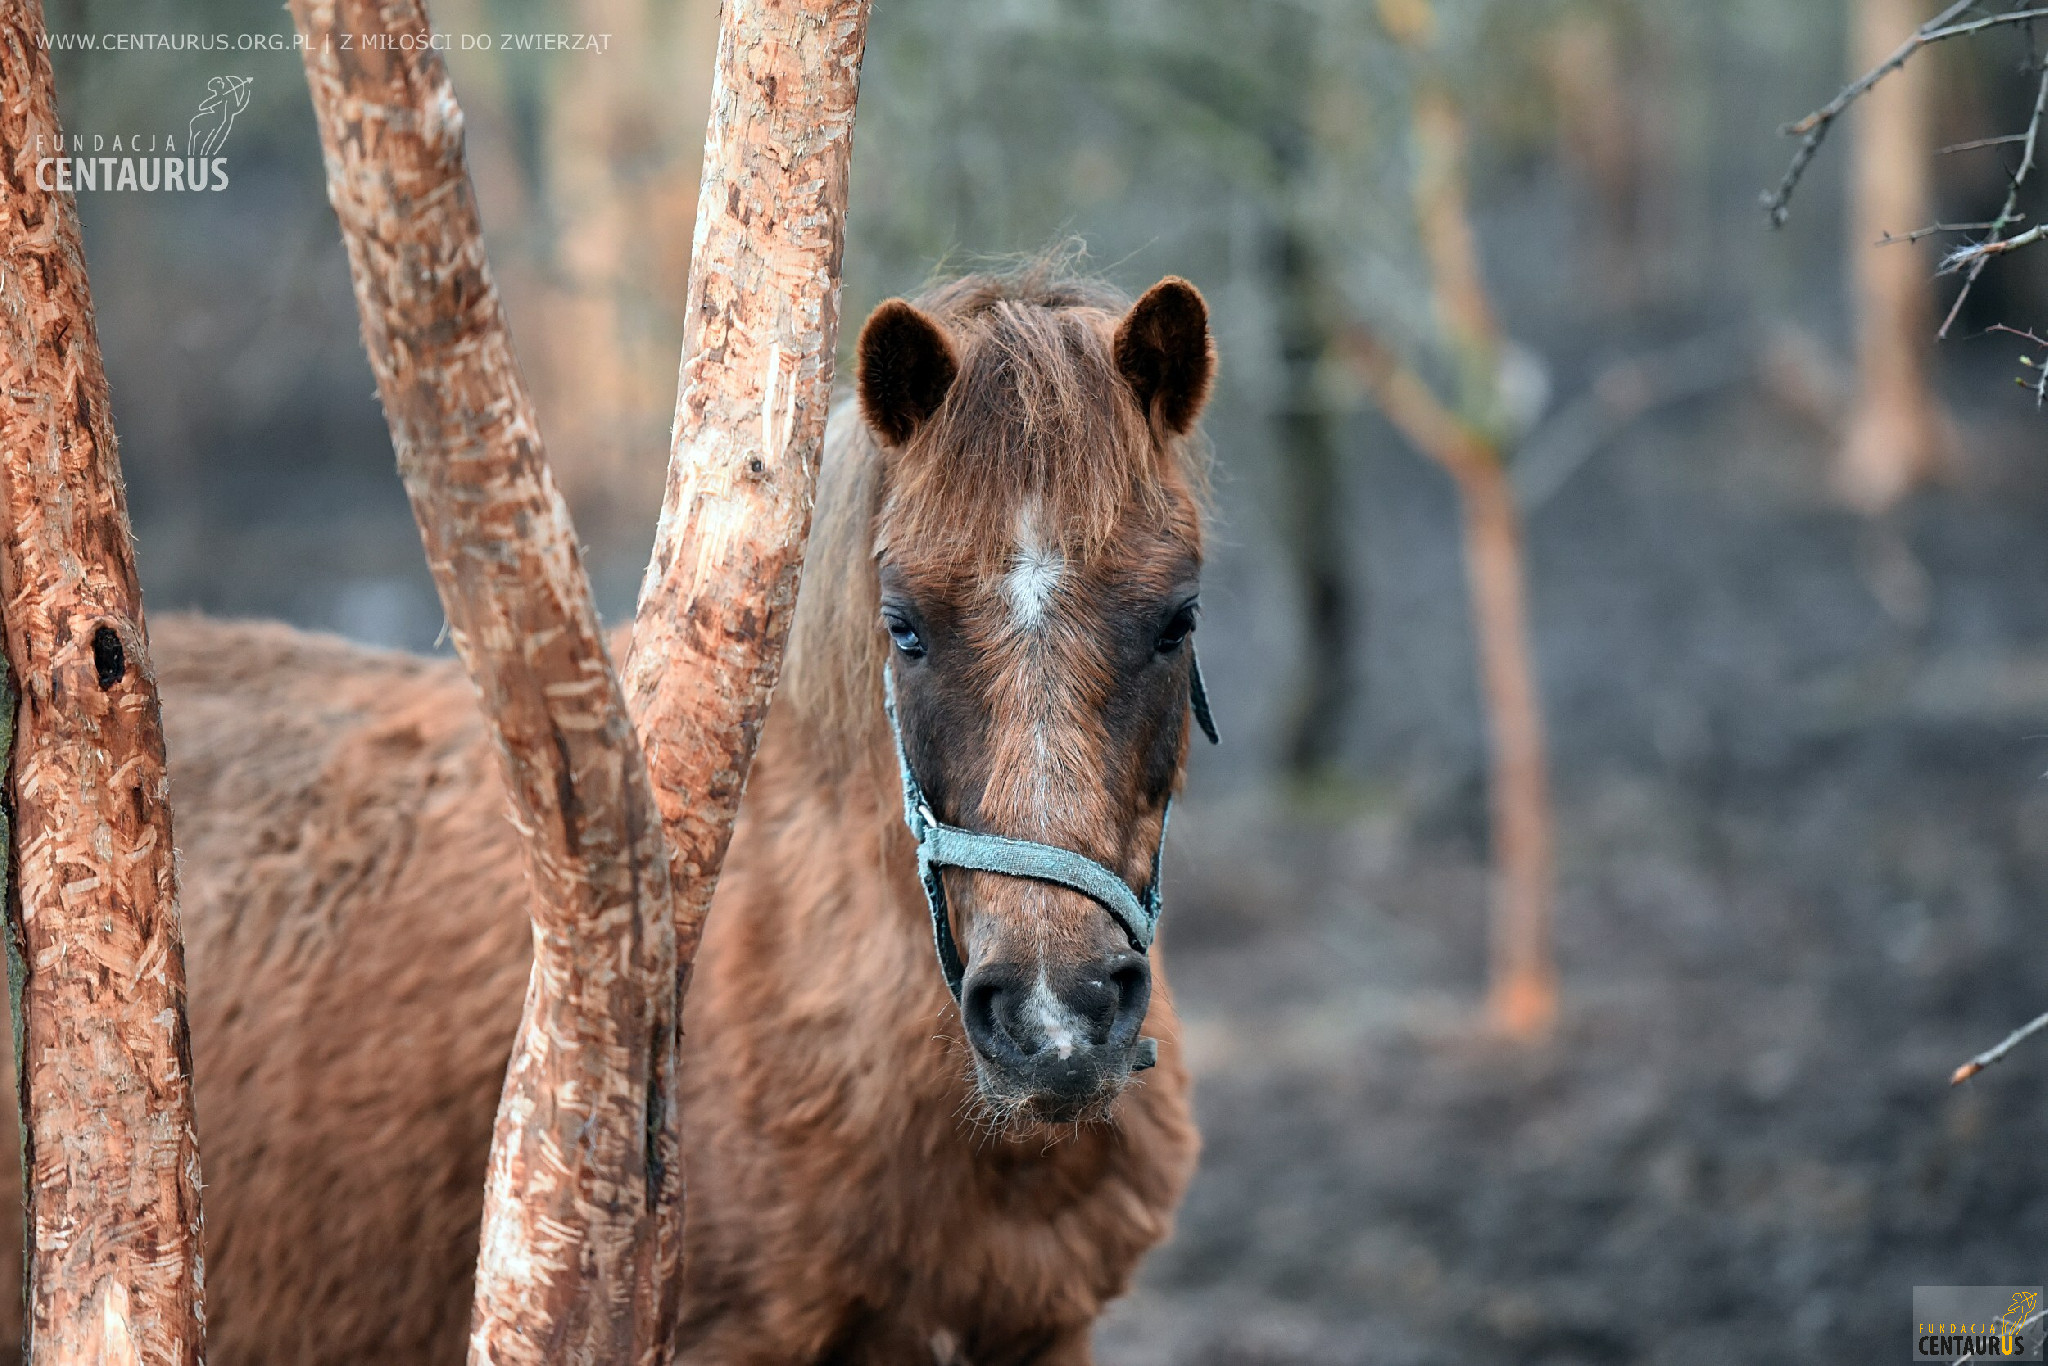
(876,1174)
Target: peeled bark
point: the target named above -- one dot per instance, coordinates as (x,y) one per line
(583,1204)
(762,324)
(110,1157)
(1898,430)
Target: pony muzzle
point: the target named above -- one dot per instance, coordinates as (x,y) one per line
(1058,1042)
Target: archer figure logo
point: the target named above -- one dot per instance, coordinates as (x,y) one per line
(149,162)
(1991,1322)
(226,97)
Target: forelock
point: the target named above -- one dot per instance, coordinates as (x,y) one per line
(1037,417)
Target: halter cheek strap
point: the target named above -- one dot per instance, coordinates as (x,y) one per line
(942,846)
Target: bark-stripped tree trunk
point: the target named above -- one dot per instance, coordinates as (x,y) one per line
(762,323)
(110,1158)
(1898,430)
(583,1216)
(583,1204)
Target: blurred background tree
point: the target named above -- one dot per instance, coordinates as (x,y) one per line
(1899,434)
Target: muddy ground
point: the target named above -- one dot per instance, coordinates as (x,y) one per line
(1804,857)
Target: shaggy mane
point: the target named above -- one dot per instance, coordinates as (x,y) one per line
(1038,412)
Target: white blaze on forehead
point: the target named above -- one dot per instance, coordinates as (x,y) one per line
(1035,573)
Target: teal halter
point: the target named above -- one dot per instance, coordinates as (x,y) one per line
(948,846)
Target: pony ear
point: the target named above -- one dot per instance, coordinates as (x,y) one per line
(906,367)
(1164,353)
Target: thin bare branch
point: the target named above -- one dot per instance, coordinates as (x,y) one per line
(2038,385)
(1973,256)
(1979,143)
(1620,396)
(1998,1052)
(1813,129)
(1415,411)
(1893,239)
(2007,215)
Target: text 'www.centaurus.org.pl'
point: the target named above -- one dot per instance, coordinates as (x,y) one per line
(343,42)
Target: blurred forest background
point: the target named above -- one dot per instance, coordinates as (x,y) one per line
(1795,712)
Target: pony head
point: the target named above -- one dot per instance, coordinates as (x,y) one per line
(1036,551)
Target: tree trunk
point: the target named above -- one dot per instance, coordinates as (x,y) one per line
(1522,993)
(583,1206)
(1315,510)
(1898,431)
(762,325)
(1310,468)
(110,1157)
(1603,140)
(583,1201)
(1443,219)
(1466,437)
(1522,990)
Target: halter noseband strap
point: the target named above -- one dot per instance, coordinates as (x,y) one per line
(948,846)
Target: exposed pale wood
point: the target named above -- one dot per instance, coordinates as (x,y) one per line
(111,1158)
(583,1201)
(762,322)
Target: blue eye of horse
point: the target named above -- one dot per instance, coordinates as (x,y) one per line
(1177,630)
(905,637)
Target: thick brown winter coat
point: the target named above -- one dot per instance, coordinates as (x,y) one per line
(862,1187)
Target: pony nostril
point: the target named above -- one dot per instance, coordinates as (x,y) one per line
(988,1009)
(1132,980)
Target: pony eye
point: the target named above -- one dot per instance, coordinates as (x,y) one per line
(904,636)
(1176,632)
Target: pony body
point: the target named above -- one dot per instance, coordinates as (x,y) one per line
(358,947)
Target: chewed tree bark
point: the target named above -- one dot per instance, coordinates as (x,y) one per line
(583,1201)
(762,324)
(583,1213)
(111,1161)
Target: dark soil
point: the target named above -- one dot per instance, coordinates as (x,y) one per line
(1804,858)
